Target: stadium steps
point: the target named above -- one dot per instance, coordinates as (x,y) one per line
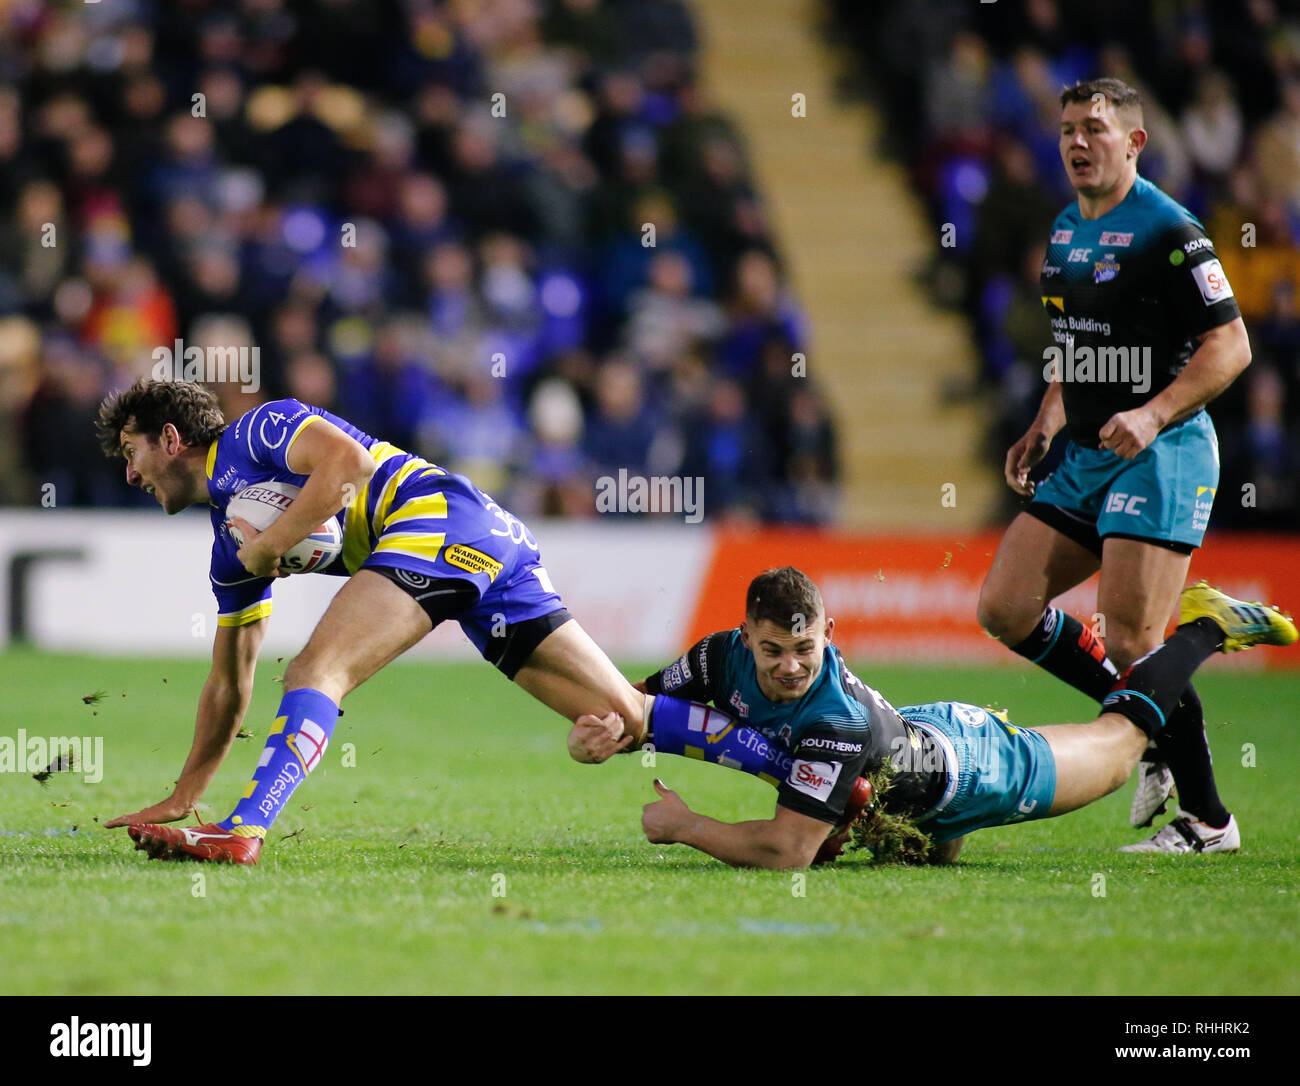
(879,348)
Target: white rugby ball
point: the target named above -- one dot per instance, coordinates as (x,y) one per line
(261,503)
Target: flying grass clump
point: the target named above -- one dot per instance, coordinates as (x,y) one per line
(891,838)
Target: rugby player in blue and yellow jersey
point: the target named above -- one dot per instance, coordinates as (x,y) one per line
(1147,333)
(786,709)
(420,545)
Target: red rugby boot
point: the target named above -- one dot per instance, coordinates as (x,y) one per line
(208,842)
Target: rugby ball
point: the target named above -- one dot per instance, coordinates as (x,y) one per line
(261,503)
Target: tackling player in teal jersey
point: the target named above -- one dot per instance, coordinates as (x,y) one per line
(420,545)
(787,709)
(1147,333)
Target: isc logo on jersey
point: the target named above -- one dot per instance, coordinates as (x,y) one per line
(1213,283)
(815,779)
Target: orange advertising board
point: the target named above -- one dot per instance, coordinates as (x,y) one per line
(913,598)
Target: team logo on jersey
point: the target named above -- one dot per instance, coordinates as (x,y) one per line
(816,779)
(472,561)
(1062,237)
(1105,269)
(1115,238)
(1213,283)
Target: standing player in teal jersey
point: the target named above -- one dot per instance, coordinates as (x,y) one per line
(1147,333)
(420,546)
(786,708)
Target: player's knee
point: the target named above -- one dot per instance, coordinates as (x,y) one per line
(305,671)
(301,670)
(1001,620)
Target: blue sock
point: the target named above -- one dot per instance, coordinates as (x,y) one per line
(297,742)
(696,730)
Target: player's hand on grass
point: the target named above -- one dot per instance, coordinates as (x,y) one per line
(593,739)
(169,810)
(662,819)
(1021,458)
(254,555)
(1129,432)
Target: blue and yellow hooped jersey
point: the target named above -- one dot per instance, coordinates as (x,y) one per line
(255,449)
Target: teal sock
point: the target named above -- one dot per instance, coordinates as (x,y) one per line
(297,742)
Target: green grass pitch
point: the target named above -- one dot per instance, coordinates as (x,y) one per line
(465,853)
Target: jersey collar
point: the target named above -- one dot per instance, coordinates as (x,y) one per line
(211,466)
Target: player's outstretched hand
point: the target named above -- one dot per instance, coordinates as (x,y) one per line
(1129,432)
(662,819)
(169,810)
(1021,458)
(593,739)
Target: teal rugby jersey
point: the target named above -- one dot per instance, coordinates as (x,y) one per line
(1142,277)
(254,449)
(838,731)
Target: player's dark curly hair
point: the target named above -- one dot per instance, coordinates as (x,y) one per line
(779,595)
(148,405)
(1121,95)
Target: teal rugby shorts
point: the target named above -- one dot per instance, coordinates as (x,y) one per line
(998,773)
(1162,496)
